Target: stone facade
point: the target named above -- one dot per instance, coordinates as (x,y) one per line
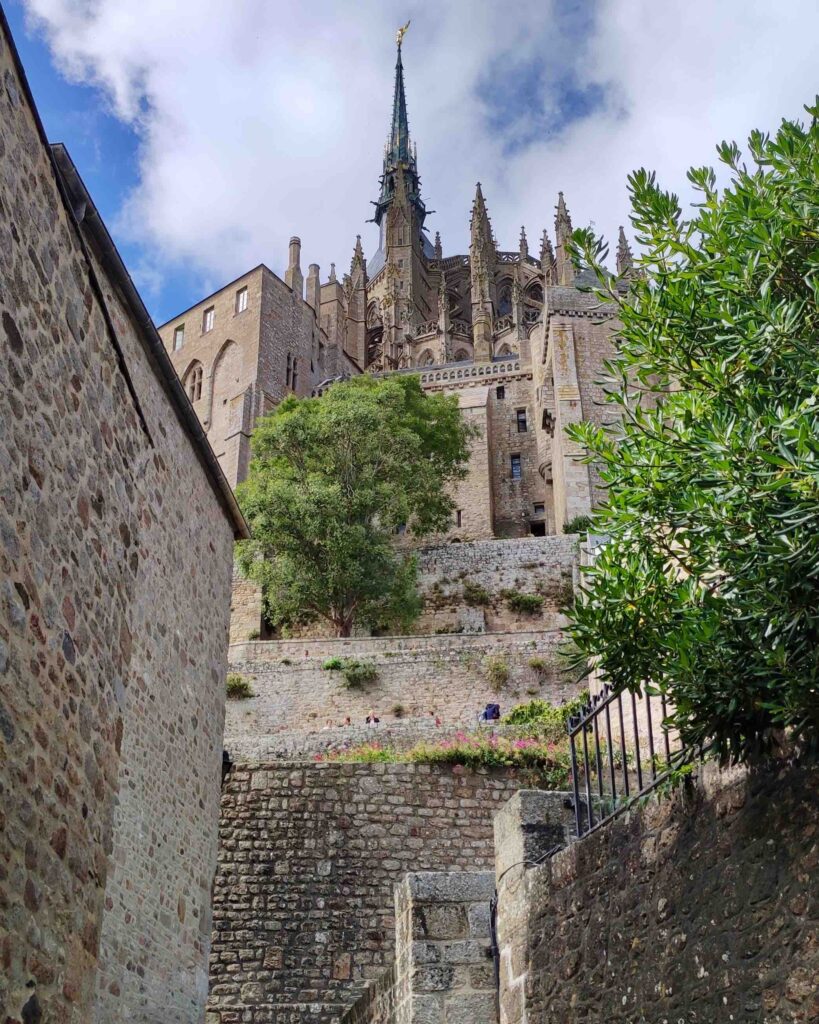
(699,907)
(448,676)
(309,858)
(116,532)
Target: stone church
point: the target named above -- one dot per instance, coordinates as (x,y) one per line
(515,335)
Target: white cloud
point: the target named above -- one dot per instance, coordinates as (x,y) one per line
(259,120)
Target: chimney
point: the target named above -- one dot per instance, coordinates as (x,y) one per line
(313,287)
(293,276)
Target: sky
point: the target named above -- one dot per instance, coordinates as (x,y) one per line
(209,132)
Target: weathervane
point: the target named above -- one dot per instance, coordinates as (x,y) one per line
(399,35)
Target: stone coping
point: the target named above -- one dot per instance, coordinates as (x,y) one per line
(266,650)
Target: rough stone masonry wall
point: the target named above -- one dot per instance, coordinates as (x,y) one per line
(111,551)
(546,566)
(698,908)
(447,676)
(309,857)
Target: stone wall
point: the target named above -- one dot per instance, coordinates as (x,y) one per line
(545,566)
(701,907)
(113,548)
(309,857)
(417,677)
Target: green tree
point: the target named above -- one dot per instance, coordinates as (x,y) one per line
(331,481)
(708,588)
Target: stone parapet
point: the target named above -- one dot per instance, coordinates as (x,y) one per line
(698,907)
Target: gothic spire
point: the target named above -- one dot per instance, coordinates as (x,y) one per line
(399,140)
(564,270)
(399,152)
(524,245)
(625,258)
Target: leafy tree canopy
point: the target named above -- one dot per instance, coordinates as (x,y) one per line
(331,481)
(708,588)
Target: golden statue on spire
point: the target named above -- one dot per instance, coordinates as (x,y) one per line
(399,35)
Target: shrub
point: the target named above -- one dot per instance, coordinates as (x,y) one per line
(526,604)
(358,673)
(286,661)
(539,665)
(579,524)
(548,762)
(497,670)
(545,718)
(708,585)
(333,664)
(237,687)
(254,634)
(399,710)
(475,594)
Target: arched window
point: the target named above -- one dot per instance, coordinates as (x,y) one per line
(295,372)
(452,301)
(504,351)
(535,294)
(461,356)
(426,358)
(505,300)
(193,382)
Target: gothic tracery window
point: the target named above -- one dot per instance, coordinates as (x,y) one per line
(505,300)
(535,294)
(426,358)
(193,382)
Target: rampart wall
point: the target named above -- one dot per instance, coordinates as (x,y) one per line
(309,858)
(447,676)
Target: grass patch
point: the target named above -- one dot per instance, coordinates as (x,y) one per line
(237,687)
(475,595)
(497,670)
(545,719)
(356,673)
(526,604)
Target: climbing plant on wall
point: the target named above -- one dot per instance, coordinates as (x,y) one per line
(708,588)
(333,484)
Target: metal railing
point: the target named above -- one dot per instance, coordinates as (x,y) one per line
(621,748)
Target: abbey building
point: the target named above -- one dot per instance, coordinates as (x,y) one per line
(512,332)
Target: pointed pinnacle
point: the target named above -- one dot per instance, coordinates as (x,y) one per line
(524,245)
(563,222)
(625,257)
(438,250)
(332,272)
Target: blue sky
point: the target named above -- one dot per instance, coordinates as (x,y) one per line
(209,133)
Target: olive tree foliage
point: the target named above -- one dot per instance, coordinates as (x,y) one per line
(708,587)
(331,481)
